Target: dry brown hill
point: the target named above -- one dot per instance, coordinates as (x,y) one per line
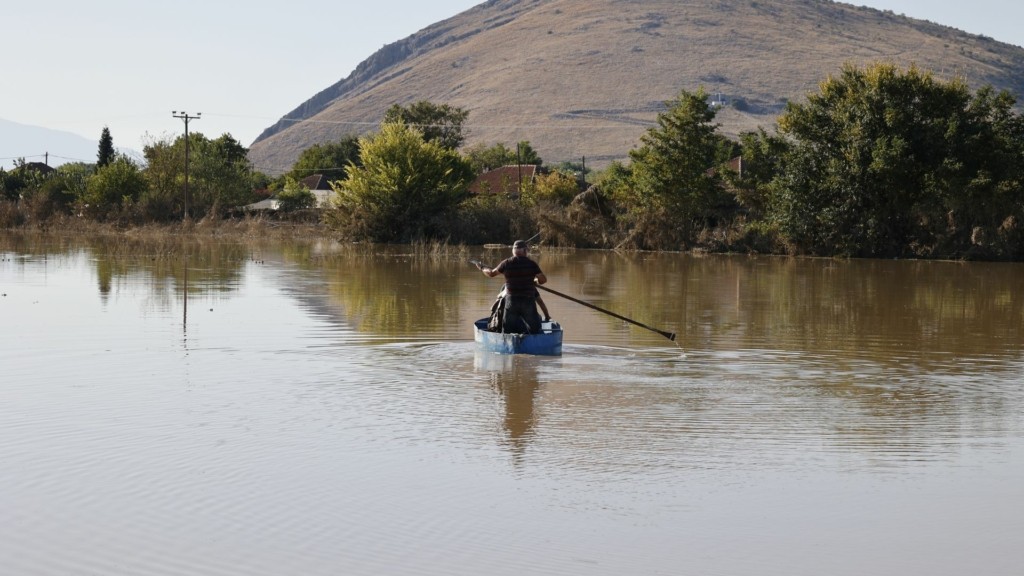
(585,78)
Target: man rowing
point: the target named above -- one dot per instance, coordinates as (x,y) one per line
(521,274)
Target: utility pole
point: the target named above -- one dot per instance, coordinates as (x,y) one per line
(185,116)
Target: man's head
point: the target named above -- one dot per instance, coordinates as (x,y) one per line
(520,247)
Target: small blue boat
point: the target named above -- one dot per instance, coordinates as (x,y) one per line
(548,342)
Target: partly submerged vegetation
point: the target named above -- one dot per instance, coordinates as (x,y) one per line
(881,162)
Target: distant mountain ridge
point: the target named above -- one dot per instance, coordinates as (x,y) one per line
(585,78)
(38,144)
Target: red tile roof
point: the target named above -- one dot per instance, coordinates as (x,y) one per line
(503,180)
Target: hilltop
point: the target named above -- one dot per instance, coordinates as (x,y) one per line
(585,78)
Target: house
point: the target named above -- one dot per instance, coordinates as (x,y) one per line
(321,189)
(40,167)
(317,185)
(508,180)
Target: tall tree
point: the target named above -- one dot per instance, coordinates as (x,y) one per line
(671,170)
(440,123)
(106,152)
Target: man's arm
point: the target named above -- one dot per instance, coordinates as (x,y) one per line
(540,278)
(489,272)
(543,308)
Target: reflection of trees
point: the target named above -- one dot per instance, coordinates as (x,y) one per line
(391,293)
(892,347)
(214,266)
(856,307)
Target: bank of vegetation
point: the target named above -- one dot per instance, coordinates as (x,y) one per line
(881,161)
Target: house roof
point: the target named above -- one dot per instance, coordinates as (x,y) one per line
(40,167)
(316,182)
(503,180)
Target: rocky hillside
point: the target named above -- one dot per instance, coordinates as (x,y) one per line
(585,78)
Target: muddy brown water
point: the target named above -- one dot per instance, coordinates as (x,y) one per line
(220,408)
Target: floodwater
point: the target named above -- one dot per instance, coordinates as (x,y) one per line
(215,408)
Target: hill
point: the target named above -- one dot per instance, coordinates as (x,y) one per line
(585,78)
(37,144)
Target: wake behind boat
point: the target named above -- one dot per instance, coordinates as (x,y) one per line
(547,342)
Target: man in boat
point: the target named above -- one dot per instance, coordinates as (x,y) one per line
(521,276)
(498,311)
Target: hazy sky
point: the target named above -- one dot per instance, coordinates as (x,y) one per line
(79,66)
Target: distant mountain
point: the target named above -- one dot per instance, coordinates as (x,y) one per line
(585,78)
(34,142)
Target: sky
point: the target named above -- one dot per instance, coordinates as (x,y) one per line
(127,65)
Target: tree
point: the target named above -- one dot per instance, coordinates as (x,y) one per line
(295,196)
(12,183)
(74,178)
(329,159)
(483,158)
(106,152)
(220,175)
(165,165)
(525,154)
(671,170)
(762,156)
(403,185)
(113,186)
(555,187)
(884,160)
(440,123)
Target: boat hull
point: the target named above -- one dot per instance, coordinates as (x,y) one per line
(547,343)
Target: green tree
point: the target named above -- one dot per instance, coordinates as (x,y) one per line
(114,186)
(106,152)
(329,159)
(165,164)
(554,187)
(439,123)
(483,158)
(762,155)
(295,196)
(73,179)
(881,160)
(402,187)
(22,180)
(672,169)
(220,176)
(525,154)
(12,183)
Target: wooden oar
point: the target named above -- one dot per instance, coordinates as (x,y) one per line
(670,335)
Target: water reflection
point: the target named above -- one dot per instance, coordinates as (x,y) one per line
(515,380)
(330,407)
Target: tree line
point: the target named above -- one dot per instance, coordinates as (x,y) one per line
(881,161)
